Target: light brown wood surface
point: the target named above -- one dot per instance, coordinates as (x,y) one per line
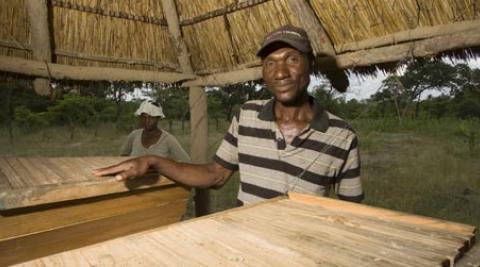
(300,231)
(55,204)
(29,181)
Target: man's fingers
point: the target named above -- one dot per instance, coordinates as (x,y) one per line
(125,174)
(111,170)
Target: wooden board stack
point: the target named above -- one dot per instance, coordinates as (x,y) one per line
(49,205)
(297,231)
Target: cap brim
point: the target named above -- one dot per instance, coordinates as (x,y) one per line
(297,45)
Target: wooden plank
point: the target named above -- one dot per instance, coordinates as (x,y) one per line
(40,181)
(397,230)
(35,173)
(38,165)
(29,234)
(384,214)
(57,174)
(325,236)
(392,239)
(12,177)
(21,172)
(4,183)
(278,232)
(67,72)
(72,175)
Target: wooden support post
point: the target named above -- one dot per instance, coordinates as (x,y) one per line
(198,105)
(40,40)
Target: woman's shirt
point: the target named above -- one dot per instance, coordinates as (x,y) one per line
(166,146)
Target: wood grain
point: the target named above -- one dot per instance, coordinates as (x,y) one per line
(299,231)
(31,233)
(30,181)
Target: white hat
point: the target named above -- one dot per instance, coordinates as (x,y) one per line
(150,108)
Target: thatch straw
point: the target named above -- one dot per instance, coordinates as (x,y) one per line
(354,20)
(110,36)
(14,28)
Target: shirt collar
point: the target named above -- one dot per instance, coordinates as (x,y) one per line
(319,121)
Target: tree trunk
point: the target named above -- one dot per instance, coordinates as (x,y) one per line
(118,102)
(71,127)
(397,108)
(10,115)
(417,107)
(170,126)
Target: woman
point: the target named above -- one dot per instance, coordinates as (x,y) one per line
(151,140)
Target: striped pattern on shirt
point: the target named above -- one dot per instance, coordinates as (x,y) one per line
(322,156)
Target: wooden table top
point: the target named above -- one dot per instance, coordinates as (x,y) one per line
(29,181)
(297,231)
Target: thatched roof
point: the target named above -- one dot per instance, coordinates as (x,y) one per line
(222,36)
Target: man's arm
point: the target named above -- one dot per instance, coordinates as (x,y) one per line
(194,175)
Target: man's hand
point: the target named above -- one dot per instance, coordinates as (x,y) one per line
(126,169)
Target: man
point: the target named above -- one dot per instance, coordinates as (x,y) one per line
(289,143)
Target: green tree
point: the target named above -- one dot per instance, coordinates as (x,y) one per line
(28,121)
(174,101)
(73,110)
(215,107)
(18,92)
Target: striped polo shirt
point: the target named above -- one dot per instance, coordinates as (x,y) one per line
(323,156)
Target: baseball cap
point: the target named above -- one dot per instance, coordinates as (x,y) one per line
(289,34)
(150,108)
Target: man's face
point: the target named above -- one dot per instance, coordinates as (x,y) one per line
(148,122)
(286,72)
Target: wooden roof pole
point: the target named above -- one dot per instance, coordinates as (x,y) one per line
(68,72)
(321,43)
(40,40)
(197,101)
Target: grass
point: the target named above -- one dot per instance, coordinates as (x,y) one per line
(422,167)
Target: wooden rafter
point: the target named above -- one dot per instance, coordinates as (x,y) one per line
(410,35)
(320,41)
(99,58)
(59,72)
(108,13)
(422,48)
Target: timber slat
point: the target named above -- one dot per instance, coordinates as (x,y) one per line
(30,181)
(11,175)
(285,232)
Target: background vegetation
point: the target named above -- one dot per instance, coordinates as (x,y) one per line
(419,133)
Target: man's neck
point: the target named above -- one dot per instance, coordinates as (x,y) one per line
(291,120)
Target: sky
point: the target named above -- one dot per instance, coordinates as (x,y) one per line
(364,87)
